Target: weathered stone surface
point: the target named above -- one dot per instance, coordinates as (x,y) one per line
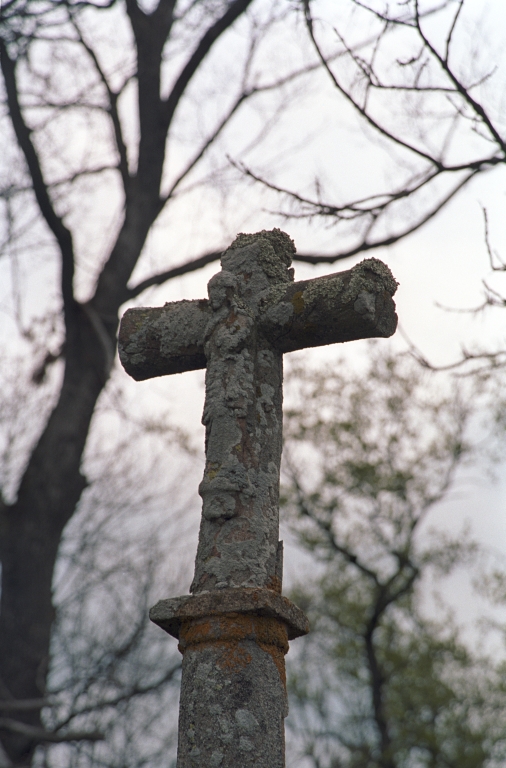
(232,706)
(170,614)
(238,540)
(356,304)
(159,341)
(234,630)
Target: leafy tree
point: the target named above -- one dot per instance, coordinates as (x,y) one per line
(378,683)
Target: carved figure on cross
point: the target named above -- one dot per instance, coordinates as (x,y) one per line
(233,630)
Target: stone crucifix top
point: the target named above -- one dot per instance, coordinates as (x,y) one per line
(233,629)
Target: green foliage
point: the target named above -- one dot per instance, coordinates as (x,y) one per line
(377,684)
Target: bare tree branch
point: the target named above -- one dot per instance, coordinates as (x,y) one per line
(205,146)
(491,253)
(162,277)
(464,92)
(54,222)
(360,109)
(41,735)
(235,9)
(24,705)
(112,109)
(128,695)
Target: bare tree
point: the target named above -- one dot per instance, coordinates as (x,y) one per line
(70,69)
(110,696)
(425,83)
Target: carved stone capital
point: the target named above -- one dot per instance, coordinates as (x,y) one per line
(170,614)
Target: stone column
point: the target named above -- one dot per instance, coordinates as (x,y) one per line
(233,693)
(234,629)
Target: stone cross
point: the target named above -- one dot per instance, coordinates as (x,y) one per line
(233,630)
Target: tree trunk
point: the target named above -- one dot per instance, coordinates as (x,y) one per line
(31,532)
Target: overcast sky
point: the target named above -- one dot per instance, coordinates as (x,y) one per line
(444,263)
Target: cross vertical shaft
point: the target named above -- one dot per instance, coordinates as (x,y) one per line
(233,696)
(234,629)
(238,542)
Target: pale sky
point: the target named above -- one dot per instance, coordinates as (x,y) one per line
(444,263)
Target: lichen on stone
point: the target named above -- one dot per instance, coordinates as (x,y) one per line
(380,269)
(321,290)
(280,241)
(273,251)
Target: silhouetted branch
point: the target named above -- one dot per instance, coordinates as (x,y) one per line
(112,109)
(491,253)
(162,277)
(40,188)
(53,737)
(23,705)
(234,10)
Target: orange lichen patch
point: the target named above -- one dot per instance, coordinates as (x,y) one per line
(228,631)
(274,583)
(234,627)
(278,657)
(233,657)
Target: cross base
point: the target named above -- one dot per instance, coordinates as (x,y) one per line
(233,691)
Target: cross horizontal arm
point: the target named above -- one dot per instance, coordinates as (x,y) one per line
(344,306)
(356,304)
(158,341)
